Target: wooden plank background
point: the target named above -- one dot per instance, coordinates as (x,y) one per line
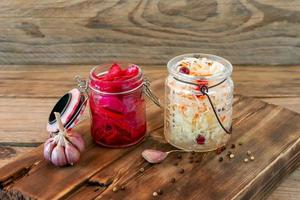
(43,44)
(264,32)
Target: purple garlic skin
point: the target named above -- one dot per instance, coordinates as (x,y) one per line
(76,140)
(58,157)
(72,153)
(64,148)
(48,147)
(154,156)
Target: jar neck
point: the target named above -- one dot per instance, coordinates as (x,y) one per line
(113,87)
(200,80)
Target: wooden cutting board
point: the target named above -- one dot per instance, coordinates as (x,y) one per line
(270,132)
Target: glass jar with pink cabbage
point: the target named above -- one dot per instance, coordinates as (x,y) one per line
(117,105)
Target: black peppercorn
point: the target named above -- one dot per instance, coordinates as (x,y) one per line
(173,180)
(160,192)
(181,170)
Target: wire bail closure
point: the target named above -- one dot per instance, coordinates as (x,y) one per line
(204,90)
(82,85)
(150,94)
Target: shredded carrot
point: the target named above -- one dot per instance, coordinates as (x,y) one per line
(184,64)
(223,118)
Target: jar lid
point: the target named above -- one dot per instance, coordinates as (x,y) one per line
(71,107)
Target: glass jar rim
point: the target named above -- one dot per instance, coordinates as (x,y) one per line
(220,75)
(138,78)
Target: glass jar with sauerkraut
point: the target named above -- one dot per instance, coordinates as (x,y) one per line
(198,102)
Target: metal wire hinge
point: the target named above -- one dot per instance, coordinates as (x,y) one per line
(150,94)
(82,85)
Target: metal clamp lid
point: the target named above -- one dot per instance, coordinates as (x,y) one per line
(70,106)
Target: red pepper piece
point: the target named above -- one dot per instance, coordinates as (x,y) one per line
(200,139)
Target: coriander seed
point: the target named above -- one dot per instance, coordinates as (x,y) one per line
(229,153)
(155,194)
(246,160)
(252,158)
(115,189)
(142,169)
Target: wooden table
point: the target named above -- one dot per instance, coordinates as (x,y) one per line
(44,44)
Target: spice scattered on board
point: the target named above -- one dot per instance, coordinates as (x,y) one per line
(160,191)
(230,155)
(173,180)
(142,169)
(181,170)
(115,189)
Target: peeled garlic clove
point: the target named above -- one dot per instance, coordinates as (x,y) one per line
(154,156)
(76,140)
(48,147)
(58,157)
(72,153)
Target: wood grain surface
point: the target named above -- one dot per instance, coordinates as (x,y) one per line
(148,32)
(255,123)
(28,92)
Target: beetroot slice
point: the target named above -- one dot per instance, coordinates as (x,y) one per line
(131,71)
(114,71)
(112,103)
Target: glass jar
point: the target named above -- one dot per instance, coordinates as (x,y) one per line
(198,108)
(117,108)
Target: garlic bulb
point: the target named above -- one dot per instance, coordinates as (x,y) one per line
(65,147)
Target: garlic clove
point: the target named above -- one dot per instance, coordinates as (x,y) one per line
(48,147)
(58,157)
(154,156)
(72,153)
(76,140)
